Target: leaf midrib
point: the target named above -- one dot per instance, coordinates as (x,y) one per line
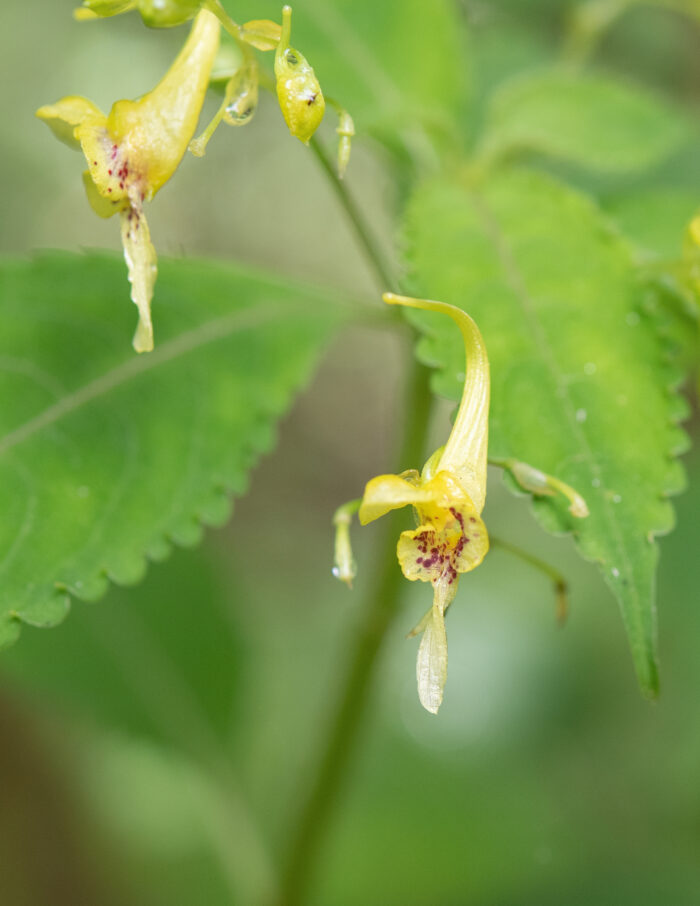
(516,282)
(209,332)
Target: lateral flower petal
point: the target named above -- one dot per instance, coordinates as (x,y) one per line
(63,117)
(391,492)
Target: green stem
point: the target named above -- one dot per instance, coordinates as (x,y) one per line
(343,730)
(362,230)
(561,588)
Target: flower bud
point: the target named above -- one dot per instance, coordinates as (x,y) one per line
(344,567)
(298,91)
(539,483)
(242,96)
(166,13)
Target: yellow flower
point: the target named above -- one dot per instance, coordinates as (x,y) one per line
(134,150)
(448,497)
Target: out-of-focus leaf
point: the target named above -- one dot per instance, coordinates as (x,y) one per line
(591,121)
(397,66)
(654,219)
(106,458)
(579,381)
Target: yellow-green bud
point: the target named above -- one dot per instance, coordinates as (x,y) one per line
(537,482)
(298,90)
(166,13)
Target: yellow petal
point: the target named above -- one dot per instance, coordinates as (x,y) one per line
(451,539)
(431,666)
(152,134)
(102,206)
(430,554)
(63,116)
(140,257)
(390,492)
(108,166)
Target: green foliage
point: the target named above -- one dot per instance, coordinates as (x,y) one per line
(106,458)
(655,219)
(396,66)
(595,122)
(580,387)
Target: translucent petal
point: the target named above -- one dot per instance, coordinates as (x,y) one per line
(389,492)
(431,666)
(141,261)
(63,116)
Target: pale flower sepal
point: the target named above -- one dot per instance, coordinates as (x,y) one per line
(431,664)
(141,262)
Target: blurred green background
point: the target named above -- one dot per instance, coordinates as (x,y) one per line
(155,746)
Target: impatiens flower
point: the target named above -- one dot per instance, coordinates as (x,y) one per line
(134,150)
(448,497)
(298,90)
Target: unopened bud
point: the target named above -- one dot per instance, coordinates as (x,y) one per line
(344,567)
(537,482)
(242,96)
(167,13)
(298,90)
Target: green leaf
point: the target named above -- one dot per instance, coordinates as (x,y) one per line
(594,122)
(580,387)
(396,66)
(655,219)
(106,458)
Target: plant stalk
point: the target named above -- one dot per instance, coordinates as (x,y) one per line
(379,267)
(343,731)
